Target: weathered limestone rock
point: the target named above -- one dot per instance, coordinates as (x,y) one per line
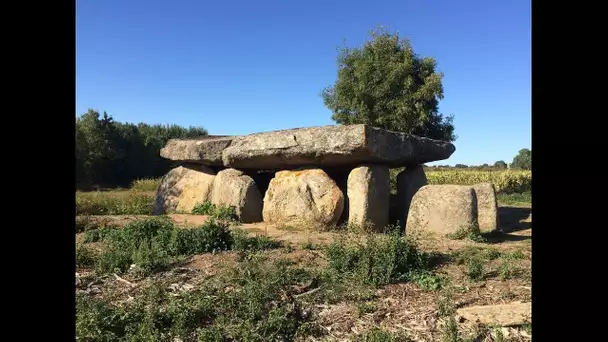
(203,150)
(330,146)
(368,194)
(234,188)
(409,181)
(442,209)
(182,188)
(487,207)
(305,196)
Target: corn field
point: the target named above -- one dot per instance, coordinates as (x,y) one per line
(506,182)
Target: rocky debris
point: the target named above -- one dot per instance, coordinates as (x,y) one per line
(487,207)
(368,192)
(511,314)
(304,196)
(331,146)
(409,181)
(442,209)
(203,150)
(182,188)
(233,188)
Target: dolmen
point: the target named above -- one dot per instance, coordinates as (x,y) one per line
(305,176)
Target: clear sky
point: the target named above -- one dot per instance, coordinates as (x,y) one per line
(238,67)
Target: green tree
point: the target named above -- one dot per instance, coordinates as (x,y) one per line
(385,84)
(500,164)
(523,160)
(110,153)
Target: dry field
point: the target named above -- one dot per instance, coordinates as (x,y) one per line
(206,278)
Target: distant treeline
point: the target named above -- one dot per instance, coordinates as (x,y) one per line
(113,154)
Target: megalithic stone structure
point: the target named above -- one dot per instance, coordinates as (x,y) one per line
(338,147)
(325,146)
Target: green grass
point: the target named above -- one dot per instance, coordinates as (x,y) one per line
(86,223)
(85,257)
(242,241)
(516,199)
(114,203)
(251,309)
(150,184)
(309,245)
(154,243)
(471,232)
(255,299)
(379,335)
(485,254)
(475,269)
(382,259)
(474,258)
(225,213)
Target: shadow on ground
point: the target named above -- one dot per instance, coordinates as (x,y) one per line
(511,219)
(498,237)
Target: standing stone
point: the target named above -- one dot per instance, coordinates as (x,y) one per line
(487,207)
(182,188)
(304,196)
(442,209)
(233,188)
(409,181)
(368,193)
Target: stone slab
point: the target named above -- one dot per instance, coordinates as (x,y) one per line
(332,146)
(203,150)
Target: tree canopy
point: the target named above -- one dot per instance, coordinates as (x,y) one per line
(523,160)
(110,153)
(385,84)
(500,164)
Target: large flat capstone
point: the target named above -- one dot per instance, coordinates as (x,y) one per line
(330,146)
(203,150)
(325,146)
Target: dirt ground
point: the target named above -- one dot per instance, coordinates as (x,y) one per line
(397,307)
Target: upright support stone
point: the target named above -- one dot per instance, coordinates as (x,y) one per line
(303,197)
(233,188)
(368,193)
(487,207)
(409,181)
(442,209)
(182,188)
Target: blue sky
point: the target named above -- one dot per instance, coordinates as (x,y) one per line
(238,67)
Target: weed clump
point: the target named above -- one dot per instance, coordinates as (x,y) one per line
(475,269)
(383,258)
(224,213)
(151,244)
(471,232)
